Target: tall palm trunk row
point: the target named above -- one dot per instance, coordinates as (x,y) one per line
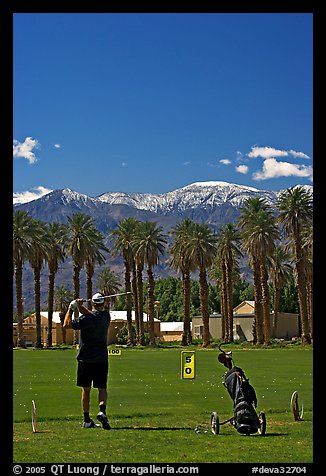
(194,248)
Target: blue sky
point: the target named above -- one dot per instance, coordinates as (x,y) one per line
(151,102)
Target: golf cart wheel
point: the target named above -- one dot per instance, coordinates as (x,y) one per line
(298,416)
(215,423)
(262,424)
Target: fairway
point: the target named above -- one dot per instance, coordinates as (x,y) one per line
(154,413)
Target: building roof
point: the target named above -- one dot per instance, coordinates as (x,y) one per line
(55,316)
(250,303)
(115,316)
(172,326)
(122,316)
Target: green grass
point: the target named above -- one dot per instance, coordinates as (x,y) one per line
(153,412)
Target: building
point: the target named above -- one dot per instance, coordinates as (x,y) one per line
(245,307)
(172,331)
(243,318)
(119,320)
(60,335)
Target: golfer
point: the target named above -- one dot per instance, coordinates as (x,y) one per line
(92,356)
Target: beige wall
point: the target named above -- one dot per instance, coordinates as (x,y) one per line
(171,336)
(287,326)
(29,328)
(29,334)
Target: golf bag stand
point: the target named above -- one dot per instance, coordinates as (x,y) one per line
(245,419)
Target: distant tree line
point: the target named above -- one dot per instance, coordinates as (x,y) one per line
(279,247)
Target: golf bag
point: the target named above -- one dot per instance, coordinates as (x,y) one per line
(244,397)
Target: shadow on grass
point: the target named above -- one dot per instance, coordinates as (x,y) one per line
(153,428)
(166,428)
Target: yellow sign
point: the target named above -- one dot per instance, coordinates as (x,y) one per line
(188,364)
(114,351)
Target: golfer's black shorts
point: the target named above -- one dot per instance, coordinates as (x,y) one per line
(92,373)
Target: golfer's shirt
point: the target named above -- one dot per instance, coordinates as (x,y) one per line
(93,329)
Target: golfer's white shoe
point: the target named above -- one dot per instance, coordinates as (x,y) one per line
(90,424)
(104,420)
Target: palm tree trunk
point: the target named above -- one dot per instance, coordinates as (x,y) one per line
(302,293)
(141,336)
(310,306)
(76,296)
(37,296)
(224,306)
(258,304)
(276,307)
(130,339)
(186,335)
(150,297)
(62,314)
(19,304)
(50,307)
(204,305)
(89,284)
(229,291)
(302,286)
(135,296)
(265,303)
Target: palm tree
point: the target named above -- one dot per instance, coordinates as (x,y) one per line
(81,232)
(139,261)
(149,245)
(123,236)
(228,252)
(296,212)
(281,270)
(201,249)
(81,236)
(259,233)
(181,262)
(37,258)
(217,274)
(308,249)
(62,298)
(95,256)
(57,237)
(108,283)
(260,242)
(24,238)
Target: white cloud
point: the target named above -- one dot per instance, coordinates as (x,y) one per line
(25,149)
(124,164)
(57,146)
(225,161)
(266,152)
(269,152)
(187,162)
(301,155)
(242,169)
(274,169)
(28,196)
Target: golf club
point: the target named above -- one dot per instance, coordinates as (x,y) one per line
(111,295)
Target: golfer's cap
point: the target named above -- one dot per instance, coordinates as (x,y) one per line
(98,298)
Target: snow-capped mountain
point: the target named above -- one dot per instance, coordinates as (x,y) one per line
(211,202)
(214,203)
(198,194)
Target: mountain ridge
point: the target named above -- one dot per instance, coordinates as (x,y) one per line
(214,203)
